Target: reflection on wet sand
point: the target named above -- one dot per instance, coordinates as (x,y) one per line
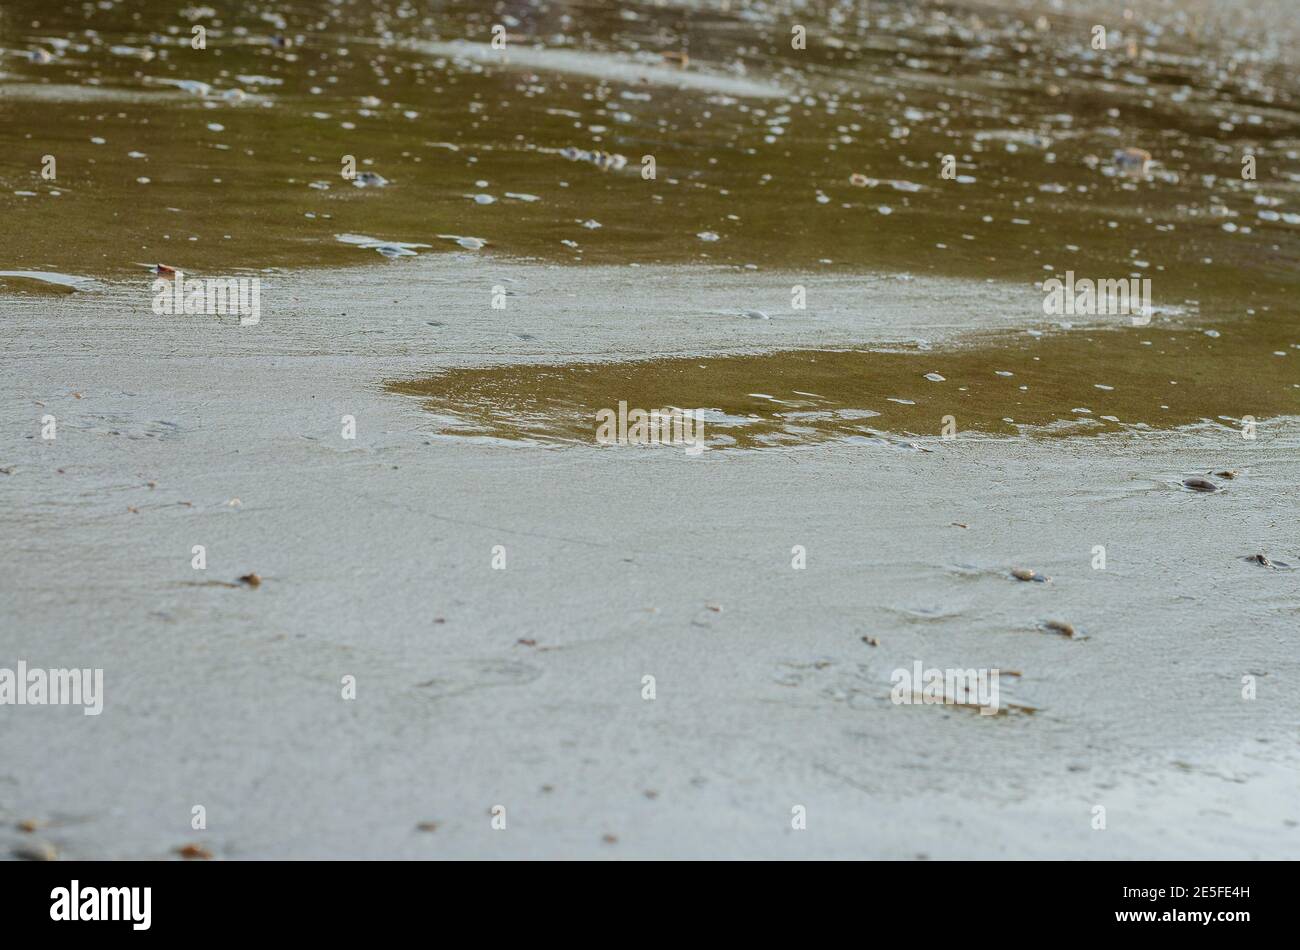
(1071,382)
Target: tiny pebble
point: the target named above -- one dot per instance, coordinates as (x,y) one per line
(1061,627)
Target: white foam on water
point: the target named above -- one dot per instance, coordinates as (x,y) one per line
(606,66)
(71,281)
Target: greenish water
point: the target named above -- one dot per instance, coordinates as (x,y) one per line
(1077,382)
(758,151)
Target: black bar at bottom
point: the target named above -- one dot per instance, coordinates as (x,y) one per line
(1221,900)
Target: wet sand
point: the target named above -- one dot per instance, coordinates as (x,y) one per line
(777,171)
(376,561)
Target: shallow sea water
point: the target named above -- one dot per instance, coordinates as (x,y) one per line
(228,161)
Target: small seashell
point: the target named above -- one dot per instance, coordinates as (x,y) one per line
(1025,574)
(1061,627)
(1227,473)
(1200,484)
(858,180)
(1264,561)
(871,641)
(757,315)
(252,580)
(427,826)
(1132,161)
(369,180)
(194,851)
(36,851)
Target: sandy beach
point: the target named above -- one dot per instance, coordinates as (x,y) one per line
(363,574)
(376,562)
